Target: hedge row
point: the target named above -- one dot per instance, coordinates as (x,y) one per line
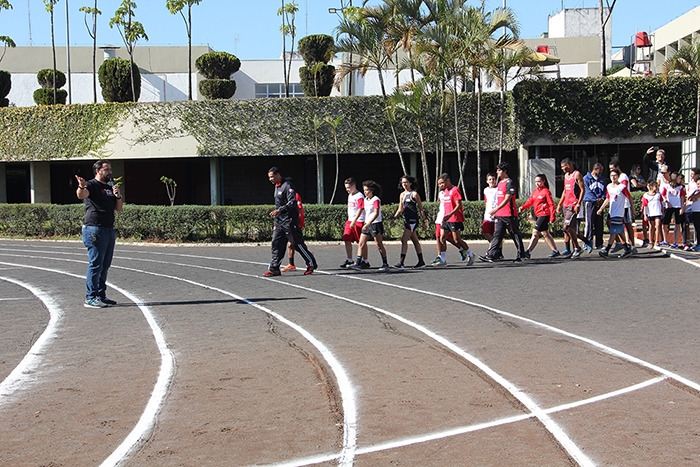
(220,223)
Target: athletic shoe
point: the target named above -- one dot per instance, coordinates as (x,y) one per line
(420,265)
(526,254)
(587,247)
(566,252)
(554,254)
(289,267)
(518,260)
(603,253)
(663,243)
(108,301)
(463,254)
(576,254)
(309,269)
(618,246)
(687,248)
(675,245)
(486,259)
(95,303)
(398,266)
(384,267)
(272,273)
(499,256)
(645,243)
(437,262)
(355,266)
(633,249)
(696,248)
(364,265)
(346,264)
(470,261)
(626,253)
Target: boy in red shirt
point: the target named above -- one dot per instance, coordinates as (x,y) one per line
(506,214)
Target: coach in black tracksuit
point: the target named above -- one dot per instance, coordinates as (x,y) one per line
(286,229)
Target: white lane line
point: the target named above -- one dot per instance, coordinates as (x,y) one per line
(551,426)
(160,390)
(22,373)
(9,299)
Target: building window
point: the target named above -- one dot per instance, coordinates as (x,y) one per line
(277,90)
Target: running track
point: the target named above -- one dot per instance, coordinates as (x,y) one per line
(204,362)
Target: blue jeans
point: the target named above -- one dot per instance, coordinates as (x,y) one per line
(100,245)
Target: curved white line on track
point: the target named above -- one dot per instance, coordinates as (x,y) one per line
(346,389)
(591,342)
(160,390)
(551,426)
(607,349)
(20,375)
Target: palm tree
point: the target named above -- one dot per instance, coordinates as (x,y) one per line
(687,62)
(49,7)
(130,30)
(176,6)
(316,124)
(478,28)
(411,102)
(92,32)
(441,46)
(406,21)
(363,33)
(288,14)
(7,40)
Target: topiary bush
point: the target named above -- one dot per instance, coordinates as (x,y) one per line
(317,76)
(5,86)
(317,80)
(317,48)
(217,68)
(44,96)
(217,88)
(217,65)
(115,80)
(45,78)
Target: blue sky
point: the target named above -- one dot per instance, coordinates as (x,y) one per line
(250,28)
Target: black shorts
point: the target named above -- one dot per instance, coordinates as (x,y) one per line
(410,224)
(673,213)
(542,224)
(373,230)
(452,226)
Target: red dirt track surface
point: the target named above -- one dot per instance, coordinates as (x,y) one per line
(204,362)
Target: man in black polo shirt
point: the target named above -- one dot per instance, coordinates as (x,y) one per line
(286,229)
(101,199)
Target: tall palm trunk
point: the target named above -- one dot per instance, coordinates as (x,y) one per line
(424,163)
(94,54)
(53,49)
(391,123)
(189,51)
(478,136)
(456,118)
(284,54)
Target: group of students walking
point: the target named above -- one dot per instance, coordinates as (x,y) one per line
(583,202)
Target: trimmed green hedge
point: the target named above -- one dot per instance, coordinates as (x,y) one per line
(222,223)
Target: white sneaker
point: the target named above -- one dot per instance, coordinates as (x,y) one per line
(437,262)
(470,261)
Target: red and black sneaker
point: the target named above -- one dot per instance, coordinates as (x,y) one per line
(309,270)
(272,273)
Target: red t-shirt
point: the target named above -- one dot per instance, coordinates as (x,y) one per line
(506,187)
(449,200)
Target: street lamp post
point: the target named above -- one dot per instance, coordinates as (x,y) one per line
(338,11)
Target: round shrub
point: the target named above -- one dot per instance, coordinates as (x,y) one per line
(115,80)
(217,65)
(317,48)
(217,88)
(321,85)
(45,78)
(44,96)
